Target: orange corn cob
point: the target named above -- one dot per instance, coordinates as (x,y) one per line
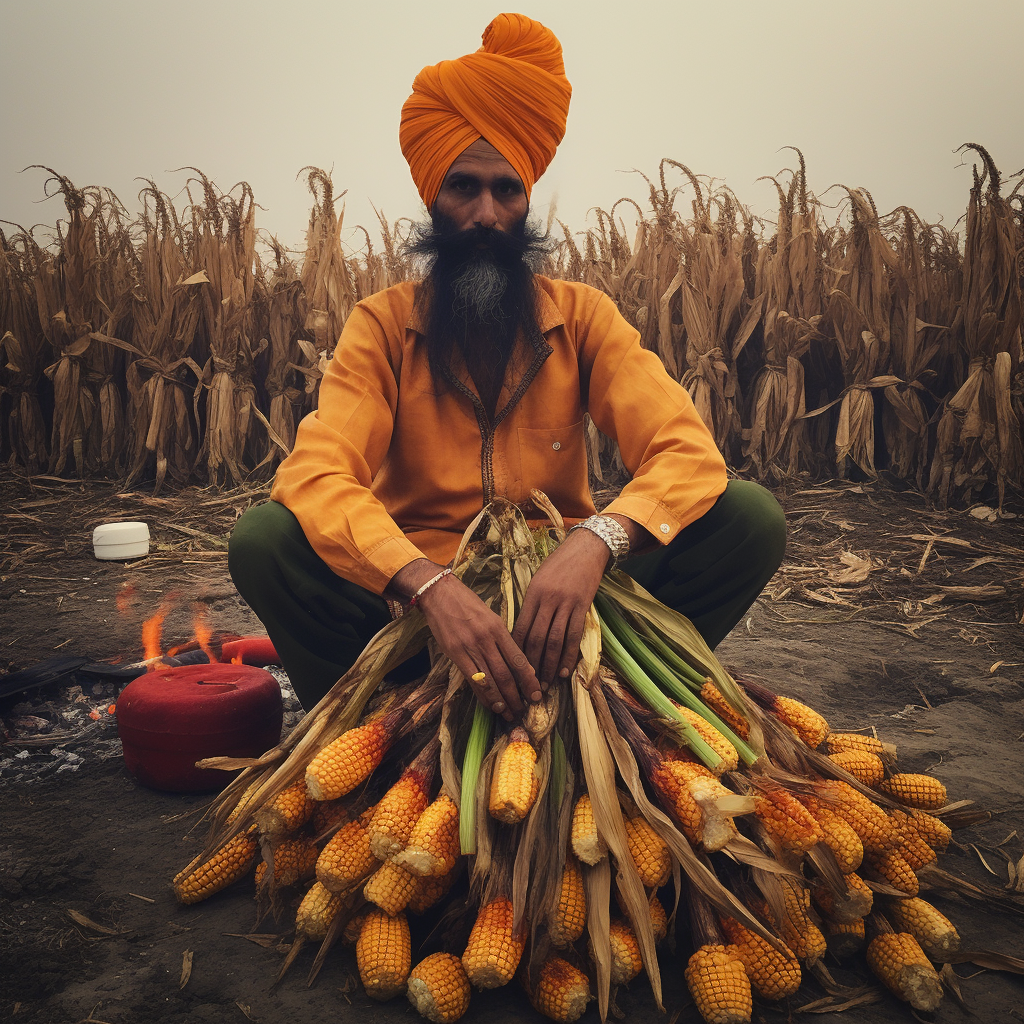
(843,940)
(327,814)
(804,721)
(843,741)
(397,813)
(867,819)
(350,933)
(384,954)
(719,985)
(429,889)
(390,887)
(347,858)
(920,791)
(562,991)
(514,782)
(852,905)
(773,974)
(231,862)
(349,760)
(649,852)
(786,820)
(569,917)
(935,832)
(690,791)
(659,919)
(837,834)
(586,843)
(891,867)
(898,961)
(625,950)
(914,849)
(493,951)
(864,766)
(316,912)
(287,812)
(439,989)
(294,860)
(243,804)
(730,758)
(932,929)
(433,847)
(798,931)
(715,699)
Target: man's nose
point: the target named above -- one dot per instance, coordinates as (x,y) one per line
(485,213)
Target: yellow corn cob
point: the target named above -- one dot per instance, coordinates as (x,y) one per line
(935,832)
(514,782)
(390,887)
(837,834)
(586,843)
(384,954)
(287,812)
(774,974)
(719,985)
(397,813)
(493,951)
(433,847)
(625,950)
(327,814)
(347,858)
(350,933)
(798,931)
(569,917)
(843,741)
(294,860)
(231,862)
(439,989)
(867,819)
(804,721)
(891,867)
(844,939)
(690,792)
(243,801)
(730,758)
(348,761)
(786,820)
(649,852)
(864,766)
(316,911)
(898,961)
(852,905)
(429,889)
(562,991)
(915,850)
(932,929)
(659,919)
(715,699)
(920,791)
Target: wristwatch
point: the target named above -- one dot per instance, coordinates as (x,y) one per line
(612,532)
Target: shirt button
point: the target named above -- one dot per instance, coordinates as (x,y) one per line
(665,528)
(557,445)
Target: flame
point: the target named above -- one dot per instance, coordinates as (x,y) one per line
(203,632)
(152,629)
(237,660)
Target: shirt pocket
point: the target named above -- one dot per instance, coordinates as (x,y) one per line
(554,460)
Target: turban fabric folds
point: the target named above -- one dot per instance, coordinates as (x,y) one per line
(512,92)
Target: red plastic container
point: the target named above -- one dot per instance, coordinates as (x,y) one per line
(170,718)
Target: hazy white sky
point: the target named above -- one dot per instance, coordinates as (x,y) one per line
(877,93)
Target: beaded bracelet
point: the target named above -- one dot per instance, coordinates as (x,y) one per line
(426,586)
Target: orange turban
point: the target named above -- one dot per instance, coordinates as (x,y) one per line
(512,92)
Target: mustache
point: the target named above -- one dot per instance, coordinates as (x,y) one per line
(439,244)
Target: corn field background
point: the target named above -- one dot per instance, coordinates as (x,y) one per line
(182,346)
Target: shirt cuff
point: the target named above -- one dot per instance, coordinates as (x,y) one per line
(660,522)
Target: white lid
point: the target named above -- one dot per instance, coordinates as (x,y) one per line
(121,533)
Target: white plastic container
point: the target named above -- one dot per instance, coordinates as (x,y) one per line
(118,541)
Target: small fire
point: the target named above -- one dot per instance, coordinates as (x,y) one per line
(202,631)
(152,630)
(237,660)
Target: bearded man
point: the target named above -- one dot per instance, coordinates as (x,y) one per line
(474,385)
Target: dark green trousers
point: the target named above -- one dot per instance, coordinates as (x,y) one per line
(712,572)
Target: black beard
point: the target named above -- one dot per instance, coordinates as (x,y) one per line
(478,295)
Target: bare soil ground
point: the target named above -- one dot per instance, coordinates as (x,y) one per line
(887,613)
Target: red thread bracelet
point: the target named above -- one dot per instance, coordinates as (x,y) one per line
(426,586)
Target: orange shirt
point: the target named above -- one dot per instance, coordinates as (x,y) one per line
(386,471)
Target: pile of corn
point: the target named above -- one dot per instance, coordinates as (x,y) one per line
(655,787)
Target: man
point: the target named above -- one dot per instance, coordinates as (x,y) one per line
(472,386)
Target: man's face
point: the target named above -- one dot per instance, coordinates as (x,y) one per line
(481,189)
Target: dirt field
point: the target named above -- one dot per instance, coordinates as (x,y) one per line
(868,621)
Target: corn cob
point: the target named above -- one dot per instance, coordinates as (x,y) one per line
(804,721)
(864,766)
(493,951)
(347,858)
(786,820)
(730,758)
(852,905)
(625,950)
(514,782)
(773,974)
(659,919)
(287,812)
(433,846)
(397,813)
(932,929)
(838,742)
(316,912)
(390,887)
(439,989)
(349,760)
(867,819)
(231,862)
(243,801)
(350,933)
(586,843)
(797,930)
(916,852)
(568,919)
(899,962)
(891,867)
(328,814)
(294,860)
(715,699)
(935,832)
(384,954)
(429,889)
(562,991)
(649,852)
(920,791)
(844,939)
(719,985)
(691,792)
(838,835)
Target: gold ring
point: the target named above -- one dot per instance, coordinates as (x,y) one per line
(478,677)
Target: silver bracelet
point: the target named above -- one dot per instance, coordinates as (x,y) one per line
(612,532)
(426,586)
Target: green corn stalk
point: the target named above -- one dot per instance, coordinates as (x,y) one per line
(476,746)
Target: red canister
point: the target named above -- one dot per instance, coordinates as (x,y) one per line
(172,717)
